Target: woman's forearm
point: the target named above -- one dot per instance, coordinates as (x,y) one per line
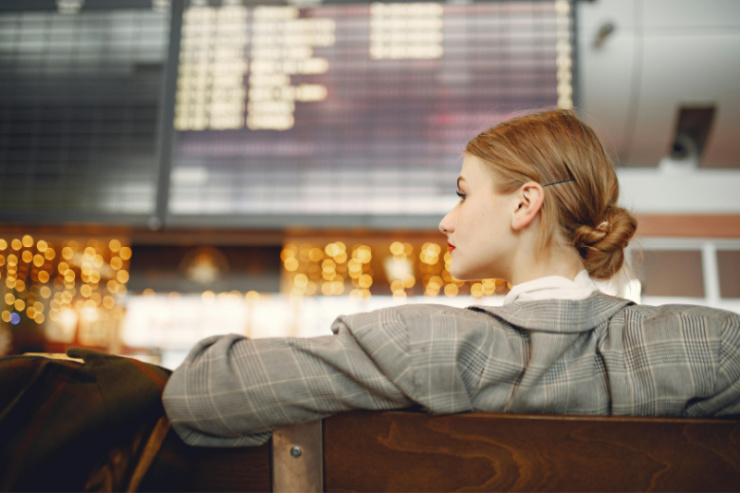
(232,391)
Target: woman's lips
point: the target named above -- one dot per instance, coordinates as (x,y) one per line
(452,247)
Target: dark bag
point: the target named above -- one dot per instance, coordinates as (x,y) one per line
(71,426)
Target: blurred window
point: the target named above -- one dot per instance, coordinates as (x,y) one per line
(671,273)
(728,264)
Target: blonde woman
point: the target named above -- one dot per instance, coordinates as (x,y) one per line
(538,207)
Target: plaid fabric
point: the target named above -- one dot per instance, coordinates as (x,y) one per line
(601,355)
(59,418)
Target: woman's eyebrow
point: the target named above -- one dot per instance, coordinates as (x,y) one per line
(459,179)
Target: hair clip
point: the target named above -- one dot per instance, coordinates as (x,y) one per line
(556,182)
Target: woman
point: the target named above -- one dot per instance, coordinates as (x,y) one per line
(538,207)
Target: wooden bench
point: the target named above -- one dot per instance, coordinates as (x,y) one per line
(408,451)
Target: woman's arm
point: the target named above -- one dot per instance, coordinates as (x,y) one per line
(232,391)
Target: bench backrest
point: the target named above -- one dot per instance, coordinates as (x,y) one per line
(407,451)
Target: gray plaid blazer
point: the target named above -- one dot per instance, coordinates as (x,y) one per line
(601,355)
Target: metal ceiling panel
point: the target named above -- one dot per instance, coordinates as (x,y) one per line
(660,56)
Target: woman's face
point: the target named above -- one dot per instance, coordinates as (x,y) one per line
(479,229)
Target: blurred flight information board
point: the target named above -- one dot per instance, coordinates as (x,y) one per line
(288,113)
(80,99)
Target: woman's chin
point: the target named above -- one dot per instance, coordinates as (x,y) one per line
(477,275)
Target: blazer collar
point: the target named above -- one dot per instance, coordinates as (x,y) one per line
(558,315)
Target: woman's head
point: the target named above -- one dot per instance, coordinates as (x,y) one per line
(580,193)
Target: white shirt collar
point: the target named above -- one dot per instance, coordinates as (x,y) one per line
(553,288)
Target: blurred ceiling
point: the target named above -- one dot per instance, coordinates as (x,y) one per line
(641,61)
(659,80)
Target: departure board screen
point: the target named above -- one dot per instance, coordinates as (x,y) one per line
(299,112)
(80,90)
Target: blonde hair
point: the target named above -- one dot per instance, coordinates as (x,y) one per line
(554,146)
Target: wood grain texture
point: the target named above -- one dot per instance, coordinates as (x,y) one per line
(232,469)
(401,451)
(302,473)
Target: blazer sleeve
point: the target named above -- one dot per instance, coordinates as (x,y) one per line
(726,399)
(233,391)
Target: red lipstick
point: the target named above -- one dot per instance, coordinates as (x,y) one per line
(452,247)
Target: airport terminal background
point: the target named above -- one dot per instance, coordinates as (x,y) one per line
(175,169)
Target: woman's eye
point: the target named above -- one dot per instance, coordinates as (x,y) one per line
(461,195)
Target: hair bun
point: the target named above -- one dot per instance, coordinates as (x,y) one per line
(602,247)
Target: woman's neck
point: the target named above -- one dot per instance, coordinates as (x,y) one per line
(554,260)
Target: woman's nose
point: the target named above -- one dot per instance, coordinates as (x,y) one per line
(445,225)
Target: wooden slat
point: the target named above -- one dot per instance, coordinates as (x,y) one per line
(297,459)
(232,469)
(689,225)
(400,451)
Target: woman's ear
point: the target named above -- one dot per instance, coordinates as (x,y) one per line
(530,198)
